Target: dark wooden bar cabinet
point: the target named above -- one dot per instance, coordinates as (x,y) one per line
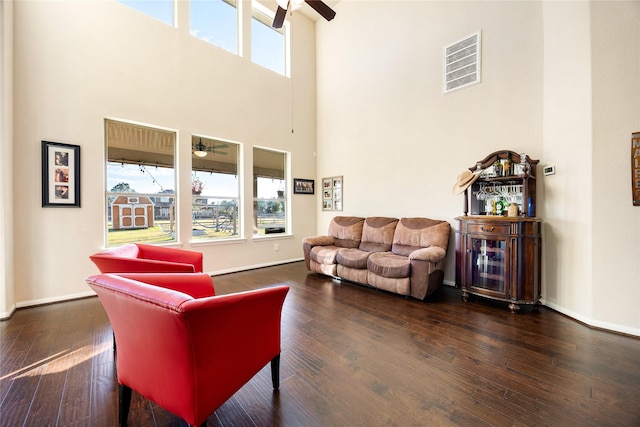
(498,256)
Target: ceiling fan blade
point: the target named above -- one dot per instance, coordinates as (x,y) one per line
(321,7)
(279,18)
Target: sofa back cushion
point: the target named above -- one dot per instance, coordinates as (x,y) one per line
(346,231)
(416,233)
(377,234)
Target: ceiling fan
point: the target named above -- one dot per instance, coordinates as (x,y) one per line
(201,150)
(319,6)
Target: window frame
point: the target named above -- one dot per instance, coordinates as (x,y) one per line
(238,198)
(268,16)
(285,198)
(110,197)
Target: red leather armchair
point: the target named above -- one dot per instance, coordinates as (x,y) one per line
(184,348)
(141,258)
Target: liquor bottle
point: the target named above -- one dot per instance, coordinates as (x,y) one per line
(531,208)
(499,206)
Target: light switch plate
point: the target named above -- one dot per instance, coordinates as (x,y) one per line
(549,170)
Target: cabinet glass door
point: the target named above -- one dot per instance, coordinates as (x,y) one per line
(488,265)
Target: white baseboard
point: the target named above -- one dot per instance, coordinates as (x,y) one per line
(252,267)
(592,322)
(7,314)
(52,300)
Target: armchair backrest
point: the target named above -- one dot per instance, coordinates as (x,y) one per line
(377,234)
(416,233)
(189,355)
(346,231)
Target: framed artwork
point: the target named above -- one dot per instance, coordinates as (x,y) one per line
(635,168)
(60,175)
(303,186)
(332,193)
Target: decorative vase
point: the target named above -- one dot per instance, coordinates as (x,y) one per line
(513,210)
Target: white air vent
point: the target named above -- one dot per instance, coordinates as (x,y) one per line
(462,63)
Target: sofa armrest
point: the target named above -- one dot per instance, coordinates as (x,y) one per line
(310,242)
(196,285)
(431,254)
(319,241)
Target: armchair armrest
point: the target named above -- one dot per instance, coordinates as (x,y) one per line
(113,264)
(171,255)
(196,285)
(233,335)
(431,254)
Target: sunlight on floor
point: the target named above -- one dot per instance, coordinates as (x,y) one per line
(60,362)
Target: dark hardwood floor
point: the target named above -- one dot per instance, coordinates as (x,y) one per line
(350,356)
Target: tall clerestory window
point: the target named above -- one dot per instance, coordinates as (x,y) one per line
(215,189)
(216,22)
(162,10)
(269,46)
(270,171)
(141,182)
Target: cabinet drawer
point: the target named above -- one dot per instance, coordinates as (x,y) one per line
(488,228)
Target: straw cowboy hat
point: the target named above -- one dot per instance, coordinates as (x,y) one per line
(465,179)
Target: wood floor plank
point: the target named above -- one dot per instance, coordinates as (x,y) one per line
(351,355)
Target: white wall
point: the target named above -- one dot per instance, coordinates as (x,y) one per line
(79,62)
(559,82)
(615,50)
(568,238)
(383,121)
(7,300)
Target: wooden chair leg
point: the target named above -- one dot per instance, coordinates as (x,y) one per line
(275,372)
(124,402)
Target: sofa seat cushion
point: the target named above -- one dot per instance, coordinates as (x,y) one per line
(387,264)
(324,254)
(353,258)
(357,275)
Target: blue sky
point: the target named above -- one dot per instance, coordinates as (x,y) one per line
(215,21)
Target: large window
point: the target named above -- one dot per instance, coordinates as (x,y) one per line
(269,191)
(140,192)
(214,189)
(162,10)
(216,22)
(269,46)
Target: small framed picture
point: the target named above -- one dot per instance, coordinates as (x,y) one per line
(303,186)
(332,193)
(60,175)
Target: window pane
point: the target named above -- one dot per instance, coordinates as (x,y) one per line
(268,44)
(140,193)
(216,22)
(215,189)
(159,9)
(269,191)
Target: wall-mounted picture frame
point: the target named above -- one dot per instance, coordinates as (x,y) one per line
(332,193)
(303,186)
(60,175)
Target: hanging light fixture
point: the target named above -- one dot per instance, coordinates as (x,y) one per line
(200,150)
